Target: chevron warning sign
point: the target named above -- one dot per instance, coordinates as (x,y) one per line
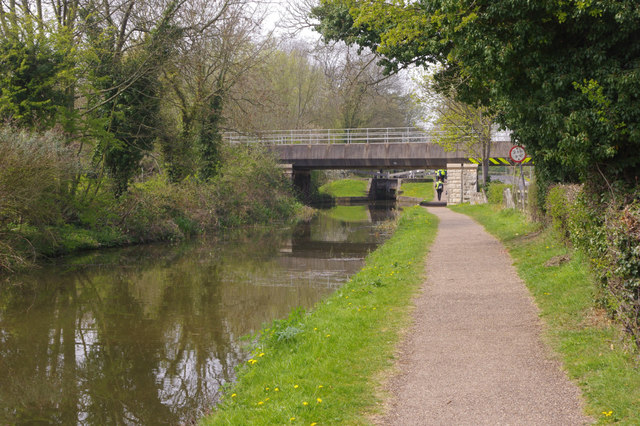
(499,161)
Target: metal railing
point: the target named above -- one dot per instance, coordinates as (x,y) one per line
(342,136)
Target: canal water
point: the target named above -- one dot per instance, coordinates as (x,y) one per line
(149,334)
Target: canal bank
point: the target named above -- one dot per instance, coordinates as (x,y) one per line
(323,366)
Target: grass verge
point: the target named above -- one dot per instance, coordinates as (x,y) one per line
(321,367)
(345,188)
(594,353)
(423,190)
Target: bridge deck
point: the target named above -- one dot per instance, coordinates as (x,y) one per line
(379,155)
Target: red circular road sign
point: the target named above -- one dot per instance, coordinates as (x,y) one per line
(517,154)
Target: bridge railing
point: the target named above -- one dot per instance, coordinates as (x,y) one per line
(342,136)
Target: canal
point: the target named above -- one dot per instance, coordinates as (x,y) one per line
(149,334)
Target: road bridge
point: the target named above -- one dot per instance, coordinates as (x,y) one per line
(405,148)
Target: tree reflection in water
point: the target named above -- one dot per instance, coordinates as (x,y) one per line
(149,334)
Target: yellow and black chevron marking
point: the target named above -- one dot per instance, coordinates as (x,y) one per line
(499,161)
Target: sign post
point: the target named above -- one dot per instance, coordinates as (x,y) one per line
(517,155)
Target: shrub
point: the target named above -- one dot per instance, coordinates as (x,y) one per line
(251,188)
(34,172)
(535,211)
(37,170)
(607,229)
(494,196)
(557,210)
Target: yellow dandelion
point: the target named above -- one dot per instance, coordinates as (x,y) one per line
(328,335)
(320,386)
(319,400)
(233,395)
(261,355)
(276,390)
(607,413)
(295,386)
(292,419)
(260,403)
(305,403)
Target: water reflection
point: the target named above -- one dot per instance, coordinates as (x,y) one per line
(147,335)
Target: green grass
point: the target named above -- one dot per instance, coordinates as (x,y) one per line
(595,354)
(324,366)
(423,190)
(345,188)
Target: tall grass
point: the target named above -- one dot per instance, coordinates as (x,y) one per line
(323,366)
(34,169)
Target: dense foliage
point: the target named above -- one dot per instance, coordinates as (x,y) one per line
(610,236)
(40,217)
(563,75)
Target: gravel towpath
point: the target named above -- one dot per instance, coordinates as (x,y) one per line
(474,355)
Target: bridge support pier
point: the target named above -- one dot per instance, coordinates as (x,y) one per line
(462,182)
(302,182)
(301,179)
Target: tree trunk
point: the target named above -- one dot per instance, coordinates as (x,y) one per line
(486,154)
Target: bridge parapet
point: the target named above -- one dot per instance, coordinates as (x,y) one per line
(387,135)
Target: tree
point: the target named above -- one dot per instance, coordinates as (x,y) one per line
(459,125)
(286,91)
(217,51)
(35,70)
(126,87)
(302,85)
(360,95)
(565,76)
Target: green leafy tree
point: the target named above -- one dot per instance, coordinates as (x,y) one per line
(126,92)
(35,71)
(459,125)
(563,75)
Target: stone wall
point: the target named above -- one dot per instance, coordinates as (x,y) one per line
(462,182)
